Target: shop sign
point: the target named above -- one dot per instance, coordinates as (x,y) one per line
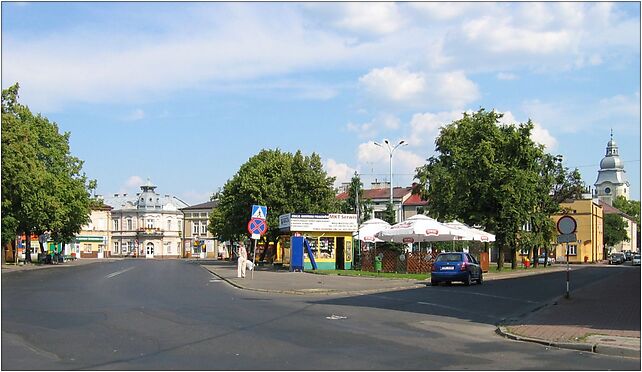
(319,222)
(99,239)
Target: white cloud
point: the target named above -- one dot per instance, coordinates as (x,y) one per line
(363,131)
(499,36)
(193,197)
(379,18)
(425,127)
(343,172)
(442,10)
(398,85)
(539,134)
(135,115)
(376,160)
(133,182)
(506,76)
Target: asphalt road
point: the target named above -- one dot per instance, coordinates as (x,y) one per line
(160,315)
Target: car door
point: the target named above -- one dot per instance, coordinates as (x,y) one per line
(476,268)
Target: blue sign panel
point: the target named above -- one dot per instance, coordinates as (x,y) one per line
(259,211)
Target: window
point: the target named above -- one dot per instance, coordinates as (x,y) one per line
(116,225)
(203,215)
(150,223)
(571,250)
(203,227)
(195,227)
(87,248)
(130,225)
(125,247)
(169,225)
(115,247)
(169,248)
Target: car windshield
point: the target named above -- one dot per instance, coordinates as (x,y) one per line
(448,257)
(637,256)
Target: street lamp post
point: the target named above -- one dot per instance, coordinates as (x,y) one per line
(391,149)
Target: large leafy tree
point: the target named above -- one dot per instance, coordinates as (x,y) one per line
(284,182)
(355,196)
(487,174)
(630,207)
(556,184)
(43,187)
(614,230)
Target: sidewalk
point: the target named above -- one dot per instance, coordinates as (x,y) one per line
(267,279)
(603,318)
(8,267)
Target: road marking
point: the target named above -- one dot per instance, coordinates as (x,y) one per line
(494,296)
(336,317)
(118,272)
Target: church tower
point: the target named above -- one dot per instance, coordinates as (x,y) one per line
(611,181)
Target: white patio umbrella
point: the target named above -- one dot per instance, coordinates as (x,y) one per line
(466,232)
(368,229)
(419,228)
(482,236)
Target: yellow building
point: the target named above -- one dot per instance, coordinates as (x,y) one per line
(589,247)
(94,238)
(198,241)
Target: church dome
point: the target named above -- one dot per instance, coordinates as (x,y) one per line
(611,162)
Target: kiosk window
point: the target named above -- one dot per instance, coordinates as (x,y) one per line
(326,246)
(313,246)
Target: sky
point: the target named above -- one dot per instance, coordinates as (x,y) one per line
(185,93)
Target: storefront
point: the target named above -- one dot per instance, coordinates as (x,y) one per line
(329,236)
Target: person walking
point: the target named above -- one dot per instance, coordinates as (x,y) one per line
(242,261)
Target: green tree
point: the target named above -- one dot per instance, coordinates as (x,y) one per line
(355,192)
(485,174)
(283,182)
(614,230)
(44,189)
(630,207)
(389,214)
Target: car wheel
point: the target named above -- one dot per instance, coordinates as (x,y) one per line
(434,282)
(468,280)
(481,279)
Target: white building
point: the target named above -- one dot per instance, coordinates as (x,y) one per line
(611,181)
(146,224)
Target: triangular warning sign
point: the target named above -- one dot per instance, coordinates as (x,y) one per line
(258,213)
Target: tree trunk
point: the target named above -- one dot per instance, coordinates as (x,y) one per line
(500,257)
(28,247)
(535,256)
(513,258)
(14,250)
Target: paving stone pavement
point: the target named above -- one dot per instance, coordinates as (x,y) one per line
(603,318)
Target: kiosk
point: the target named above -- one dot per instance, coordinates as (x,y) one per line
(329,237)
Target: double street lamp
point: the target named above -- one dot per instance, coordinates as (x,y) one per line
(391,149)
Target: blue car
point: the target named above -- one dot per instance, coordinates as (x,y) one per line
(456,267)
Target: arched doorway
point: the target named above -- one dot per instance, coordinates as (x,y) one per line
(149,253)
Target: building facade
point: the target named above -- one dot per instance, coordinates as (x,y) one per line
(588,213)
(146,225)
(611,180)
(94,239)
(197,240)
(631,230)
(404,202)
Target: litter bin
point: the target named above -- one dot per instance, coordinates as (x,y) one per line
(377,263)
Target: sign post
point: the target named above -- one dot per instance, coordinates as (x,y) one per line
(257,227)
(567,226)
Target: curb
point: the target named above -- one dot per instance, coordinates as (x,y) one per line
(308,293)
(593,348)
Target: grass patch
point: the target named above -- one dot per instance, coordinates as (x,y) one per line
(372,275)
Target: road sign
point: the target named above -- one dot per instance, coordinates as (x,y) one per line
(566,225)
(257,226)
(566,238)
(259,211)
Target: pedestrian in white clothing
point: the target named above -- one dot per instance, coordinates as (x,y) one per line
(241,263)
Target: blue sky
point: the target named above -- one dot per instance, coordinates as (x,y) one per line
(184,93)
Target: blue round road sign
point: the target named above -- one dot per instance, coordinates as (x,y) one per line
(257,226)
